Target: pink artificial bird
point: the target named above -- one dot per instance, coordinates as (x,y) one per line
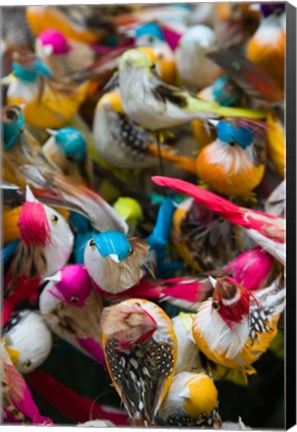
(72,309)
(265,229)
(46,245)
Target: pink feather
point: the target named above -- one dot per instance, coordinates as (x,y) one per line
(270,226)
(252,268)
(33,224)
(171,37)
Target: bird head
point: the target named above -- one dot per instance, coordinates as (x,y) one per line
(71,143)
(149,34)
(71,285)
(198,36)
(13,122)
(113,245)
(226,92)
(112,101)
(135,58)
(195,388)
(27,340)
(128,322)
(269,9)
(230,300)
(51,41)
(235,134)
(129,209)
(33,222)
(28,67)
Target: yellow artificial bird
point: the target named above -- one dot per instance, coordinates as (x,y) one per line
(47,103)
(192,401)
(234,328)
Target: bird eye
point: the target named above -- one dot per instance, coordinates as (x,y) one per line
(151,39)
(74,299)
(27,364)
(153,67)
(70,158)
(54,218)
(130,252)
(92,244)
(215,305)
(232,143)
(11,115)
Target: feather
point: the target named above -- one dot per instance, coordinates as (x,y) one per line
(248,76)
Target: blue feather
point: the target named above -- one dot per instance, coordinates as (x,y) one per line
(71,143)
(150,29)
(243,136)
(159,237)
(113,242)
(9,250)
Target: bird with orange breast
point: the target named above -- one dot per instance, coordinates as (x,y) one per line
(268,45)
(234,163)
(234,328)
(140,348)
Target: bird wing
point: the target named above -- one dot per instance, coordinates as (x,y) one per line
(247,75)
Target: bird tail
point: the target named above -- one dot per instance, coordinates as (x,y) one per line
(273,297)
(102,216)
(251,268)
(217,204)
(183,162)
(162,229)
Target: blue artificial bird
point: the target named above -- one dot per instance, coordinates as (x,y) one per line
(234,163)
(67,148)
(116,263)
(84,232)
(224,91)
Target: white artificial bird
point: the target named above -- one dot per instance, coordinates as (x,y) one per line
(194,68)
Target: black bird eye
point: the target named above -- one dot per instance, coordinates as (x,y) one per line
(74,299)
(70,158)
(27,364)
(54,218)
(151,39)
(92,244)
(232,143)
(216,305)
(11,115)
(130,252)
(153,67)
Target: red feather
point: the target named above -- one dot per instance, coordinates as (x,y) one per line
(266,224)
(33,224)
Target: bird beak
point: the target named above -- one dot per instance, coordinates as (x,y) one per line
(22,106)
(55,278)
(47,50)
(29,195)
(212,281)
(8,79)
(114,257)
(14,354)
(52,132)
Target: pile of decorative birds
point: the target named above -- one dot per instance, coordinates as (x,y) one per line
(143,190)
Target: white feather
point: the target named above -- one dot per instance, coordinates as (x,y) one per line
(32,338)
(219,337)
